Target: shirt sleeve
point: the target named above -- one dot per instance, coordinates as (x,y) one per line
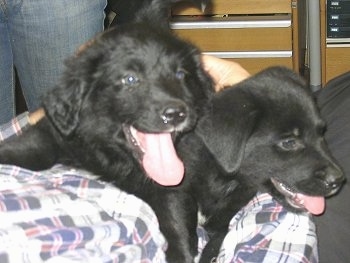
(66,215)
(14,127)
(264,232)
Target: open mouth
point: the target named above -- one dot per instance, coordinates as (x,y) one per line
(156,154)
(313,204)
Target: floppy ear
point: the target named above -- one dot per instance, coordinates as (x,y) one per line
(62,106)
(227,127)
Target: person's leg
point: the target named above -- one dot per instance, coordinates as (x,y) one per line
(44,33)
(7,106)
(333,227)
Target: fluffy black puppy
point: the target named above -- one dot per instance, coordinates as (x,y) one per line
(119,107)
(127,11)
(265,134)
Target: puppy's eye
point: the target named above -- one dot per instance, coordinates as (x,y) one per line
(290,144)
(180,74)
(130,80)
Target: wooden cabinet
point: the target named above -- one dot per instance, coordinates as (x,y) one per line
(337,61)
(335,53)
(255,33)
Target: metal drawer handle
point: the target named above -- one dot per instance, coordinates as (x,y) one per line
(231,22)
(251,54)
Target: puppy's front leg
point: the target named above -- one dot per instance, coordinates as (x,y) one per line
(177,215)
(35,149)
(211,250)
(217,225)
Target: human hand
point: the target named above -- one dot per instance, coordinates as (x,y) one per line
(223,72)
(35,116)
(82,47)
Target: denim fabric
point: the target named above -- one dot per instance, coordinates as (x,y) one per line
(35,38)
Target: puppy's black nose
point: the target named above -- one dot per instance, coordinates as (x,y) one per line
(333,177)
(174,115)
(335,180)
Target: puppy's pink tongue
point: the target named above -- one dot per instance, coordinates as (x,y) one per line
(314,204)
(160,160)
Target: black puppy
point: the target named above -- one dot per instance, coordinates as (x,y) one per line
(265,134)
(119,107)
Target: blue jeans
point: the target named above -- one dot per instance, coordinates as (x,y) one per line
(35,38)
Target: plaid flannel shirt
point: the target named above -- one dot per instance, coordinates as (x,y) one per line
(68,215)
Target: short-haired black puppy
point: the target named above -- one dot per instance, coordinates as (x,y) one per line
(264,134)
(121,104)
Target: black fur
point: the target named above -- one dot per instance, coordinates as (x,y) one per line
(130,75)
(267,126)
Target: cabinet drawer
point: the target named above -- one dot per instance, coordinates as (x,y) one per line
(236,7)
(237,34)
(337,60)
(255,61)
(255,65)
